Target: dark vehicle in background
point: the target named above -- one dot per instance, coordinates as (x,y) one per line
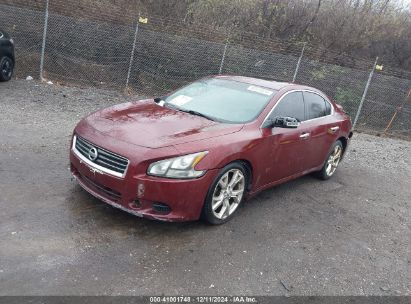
(6,56)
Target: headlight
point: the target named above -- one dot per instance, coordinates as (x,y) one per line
(178,167)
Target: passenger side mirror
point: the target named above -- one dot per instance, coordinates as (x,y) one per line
(283,122)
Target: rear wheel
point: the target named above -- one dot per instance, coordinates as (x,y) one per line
(225,194)
(332,162)
(6,68)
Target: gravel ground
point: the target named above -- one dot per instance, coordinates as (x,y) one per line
(346,236)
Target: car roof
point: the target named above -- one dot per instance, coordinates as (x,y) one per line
(275,85)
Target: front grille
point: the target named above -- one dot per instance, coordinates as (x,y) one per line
(104,158)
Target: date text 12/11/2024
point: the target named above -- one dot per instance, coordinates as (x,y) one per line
(203,299)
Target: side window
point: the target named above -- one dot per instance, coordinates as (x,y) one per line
(316,105)
(291,105)
(328,108)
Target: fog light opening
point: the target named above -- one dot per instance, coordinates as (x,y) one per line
(135,204)
(161,208)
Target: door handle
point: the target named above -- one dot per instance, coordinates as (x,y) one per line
(304,135)
(333,129)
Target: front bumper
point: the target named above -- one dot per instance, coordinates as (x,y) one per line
(138,193)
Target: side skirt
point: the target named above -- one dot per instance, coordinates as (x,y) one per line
(281,181)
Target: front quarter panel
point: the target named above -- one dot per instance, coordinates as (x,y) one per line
(246,145)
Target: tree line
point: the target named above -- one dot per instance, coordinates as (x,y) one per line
(356,28)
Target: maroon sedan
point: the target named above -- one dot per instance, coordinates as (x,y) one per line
(200,151)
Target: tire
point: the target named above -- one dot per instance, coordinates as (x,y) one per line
(6,68)
(332,161)
(225,194)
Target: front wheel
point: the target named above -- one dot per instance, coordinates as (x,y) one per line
(6,68)
(332,162)
(225,194)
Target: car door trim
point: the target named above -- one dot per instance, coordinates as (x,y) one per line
(300,90)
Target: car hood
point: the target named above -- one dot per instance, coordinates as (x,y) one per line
(145,123)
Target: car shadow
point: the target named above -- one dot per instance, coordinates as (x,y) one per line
(84,206)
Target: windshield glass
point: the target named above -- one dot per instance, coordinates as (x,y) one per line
(222,100)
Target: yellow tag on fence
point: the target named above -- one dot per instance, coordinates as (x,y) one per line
(379,67)
(142,20)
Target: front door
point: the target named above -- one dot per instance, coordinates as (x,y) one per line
(285,146)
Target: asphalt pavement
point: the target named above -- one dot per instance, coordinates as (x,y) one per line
(349,235)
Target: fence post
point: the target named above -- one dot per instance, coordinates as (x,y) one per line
(43,46)
(396,112)
(364,93)
(223,58)
(132,53)
(299,62)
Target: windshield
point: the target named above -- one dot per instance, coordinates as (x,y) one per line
(222,100)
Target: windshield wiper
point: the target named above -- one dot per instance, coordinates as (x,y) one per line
(192,112)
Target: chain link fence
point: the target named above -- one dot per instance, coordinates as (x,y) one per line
(154,58)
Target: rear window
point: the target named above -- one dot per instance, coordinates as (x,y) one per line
(328,108)
(224,100)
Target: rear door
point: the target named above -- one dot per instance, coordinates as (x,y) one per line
(322,128)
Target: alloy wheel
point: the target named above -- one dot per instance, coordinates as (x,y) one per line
(228,193)
(333,160)
(6,68)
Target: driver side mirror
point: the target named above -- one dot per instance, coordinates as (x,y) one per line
(283,122)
